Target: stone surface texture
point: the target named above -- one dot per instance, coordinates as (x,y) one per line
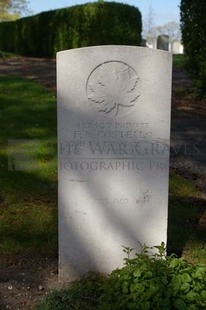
(113,154)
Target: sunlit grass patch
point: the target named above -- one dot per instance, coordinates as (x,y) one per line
(28,164)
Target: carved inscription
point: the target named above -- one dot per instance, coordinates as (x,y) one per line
(112,146)
(113,155)
(142,200)
(113,88)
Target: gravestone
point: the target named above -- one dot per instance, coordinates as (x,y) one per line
(177,47)
(113,154)
(163,42)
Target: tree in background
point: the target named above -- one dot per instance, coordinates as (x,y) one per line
(149,29)
(13,9)
(193,26)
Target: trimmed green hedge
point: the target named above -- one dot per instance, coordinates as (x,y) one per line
(99,23)
(193,25)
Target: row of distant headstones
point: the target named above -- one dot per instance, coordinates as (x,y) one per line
(163,42)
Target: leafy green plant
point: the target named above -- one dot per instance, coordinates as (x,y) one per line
(155,281)
(149,281)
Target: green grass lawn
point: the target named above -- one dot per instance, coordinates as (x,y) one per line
(28,194)
(186,207)
(178,60)
(28,182)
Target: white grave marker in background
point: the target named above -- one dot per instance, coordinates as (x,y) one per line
(113,144)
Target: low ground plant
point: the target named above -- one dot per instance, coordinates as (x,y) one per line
(148,281)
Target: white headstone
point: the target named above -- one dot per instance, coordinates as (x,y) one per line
(113,137)
(177,47)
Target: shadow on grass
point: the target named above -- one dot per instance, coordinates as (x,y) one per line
(28,209)
(28,197)
(178,61)
(183,222)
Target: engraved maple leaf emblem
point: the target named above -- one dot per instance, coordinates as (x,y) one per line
(113,85)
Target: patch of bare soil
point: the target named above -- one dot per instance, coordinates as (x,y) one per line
(188,128)
(183,97)
(41,70)
(24,282)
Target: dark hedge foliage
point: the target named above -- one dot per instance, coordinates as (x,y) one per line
(99,23)
(193,25)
